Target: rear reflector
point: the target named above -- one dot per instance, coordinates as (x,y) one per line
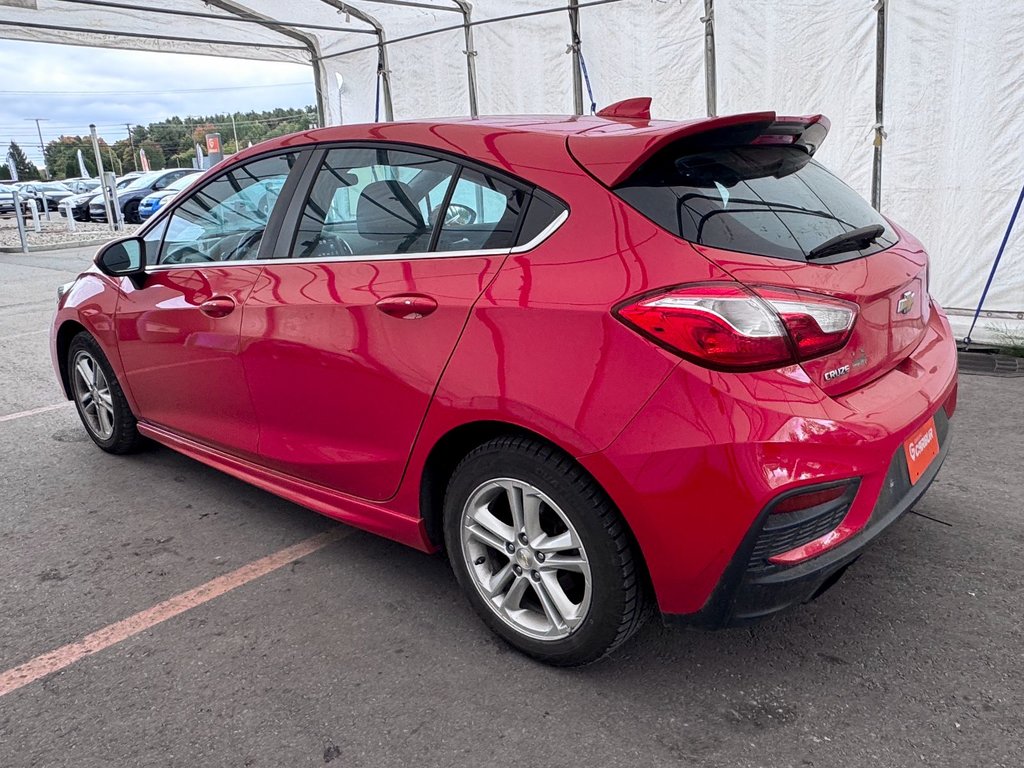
(728,326)
(801,501)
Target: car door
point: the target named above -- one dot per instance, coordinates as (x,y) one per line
(178,332)
(350,325)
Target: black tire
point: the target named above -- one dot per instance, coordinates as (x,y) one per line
(618,599)
(124,436)
(131,213)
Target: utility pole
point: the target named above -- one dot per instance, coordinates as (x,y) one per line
(42,146)
(131,140)
(235,132)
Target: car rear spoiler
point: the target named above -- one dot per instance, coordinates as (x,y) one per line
(615,151)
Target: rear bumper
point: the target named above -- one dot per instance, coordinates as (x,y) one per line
(751,589)
(696,469)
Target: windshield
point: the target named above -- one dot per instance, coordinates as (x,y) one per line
(142,182)
(180,184)
(765,200)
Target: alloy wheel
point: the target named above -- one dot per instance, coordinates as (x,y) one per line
(92,391)
(526,559)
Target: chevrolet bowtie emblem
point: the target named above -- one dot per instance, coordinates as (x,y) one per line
(906,303)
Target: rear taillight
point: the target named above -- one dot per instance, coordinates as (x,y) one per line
(732,327)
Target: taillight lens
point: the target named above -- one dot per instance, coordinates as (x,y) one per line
(732,327)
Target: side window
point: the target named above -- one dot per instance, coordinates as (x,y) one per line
(152,239)
(367,202)
(541,213)
(482,214)
(226,219)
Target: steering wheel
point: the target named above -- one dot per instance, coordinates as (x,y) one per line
(245,244)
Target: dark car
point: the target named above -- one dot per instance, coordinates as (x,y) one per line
(131,196)
(80,203)
(54,193)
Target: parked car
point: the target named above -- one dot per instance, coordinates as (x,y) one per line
(152,203)
(131,196)
(54,191)
(80,186)
(80,204)
(7,198)
(601,361)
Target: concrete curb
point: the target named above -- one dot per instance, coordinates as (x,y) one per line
(56,247)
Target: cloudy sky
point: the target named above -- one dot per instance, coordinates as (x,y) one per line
(72,86)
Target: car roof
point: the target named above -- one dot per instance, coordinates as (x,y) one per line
(610,145)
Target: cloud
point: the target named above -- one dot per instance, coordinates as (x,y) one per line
(138,87)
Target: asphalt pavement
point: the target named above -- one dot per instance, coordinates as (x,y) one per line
(363,653)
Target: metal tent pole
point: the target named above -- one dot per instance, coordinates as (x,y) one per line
(383,72)
(467,27)
(710,73)
(309,42)
(574,47)
(879,128)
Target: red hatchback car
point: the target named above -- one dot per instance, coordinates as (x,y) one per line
(603,362)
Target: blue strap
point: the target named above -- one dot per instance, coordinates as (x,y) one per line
(586,79)
(995,264)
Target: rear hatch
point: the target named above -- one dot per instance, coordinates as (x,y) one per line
(749,197)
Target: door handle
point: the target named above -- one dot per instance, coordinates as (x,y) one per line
(218,306)
(407,306)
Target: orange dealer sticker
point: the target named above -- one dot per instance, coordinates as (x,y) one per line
(921,448)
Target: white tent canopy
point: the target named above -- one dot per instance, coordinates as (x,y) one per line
(950,164)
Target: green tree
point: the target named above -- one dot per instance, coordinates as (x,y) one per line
(27,170)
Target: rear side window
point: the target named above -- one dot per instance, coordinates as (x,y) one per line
(380,202)
(542,212)
(372,202)
(765,200)
(482,214)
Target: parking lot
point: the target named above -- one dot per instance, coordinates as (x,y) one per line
(362,652)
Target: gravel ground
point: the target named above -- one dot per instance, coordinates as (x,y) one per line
(55,232)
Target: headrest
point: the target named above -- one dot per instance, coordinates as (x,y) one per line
(386,211)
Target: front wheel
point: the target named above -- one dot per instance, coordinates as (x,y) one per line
(542,554)
(101,403)
(131,213)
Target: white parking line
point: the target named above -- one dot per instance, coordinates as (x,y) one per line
(34,411)
(66,655)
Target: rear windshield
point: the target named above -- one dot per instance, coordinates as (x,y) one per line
(766,200)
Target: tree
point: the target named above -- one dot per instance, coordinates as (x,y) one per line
(27,170)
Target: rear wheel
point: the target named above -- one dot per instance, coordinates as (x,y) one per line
(541,552)
(99,399)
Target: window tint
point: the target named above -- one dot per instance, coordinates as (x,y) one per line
(542,211)
(766,200)
(368,202)
(225,220)
(482,214)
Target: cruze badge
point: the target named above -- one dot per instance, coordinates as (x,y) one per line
(906,303)
(835,373)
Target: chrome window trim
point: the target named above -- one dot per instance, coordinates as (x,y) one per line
(543,235)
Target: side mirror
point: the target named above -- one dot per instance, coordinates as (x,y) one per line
(123,258)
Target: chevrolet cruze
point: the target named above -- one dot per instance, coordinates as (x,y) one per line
(607,364)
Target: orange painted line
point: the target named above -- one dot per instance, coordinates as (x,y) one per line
(66,655)
(34,411)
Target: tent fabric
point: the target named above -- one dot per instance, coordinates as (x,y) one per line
(778,55)
(952,163)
